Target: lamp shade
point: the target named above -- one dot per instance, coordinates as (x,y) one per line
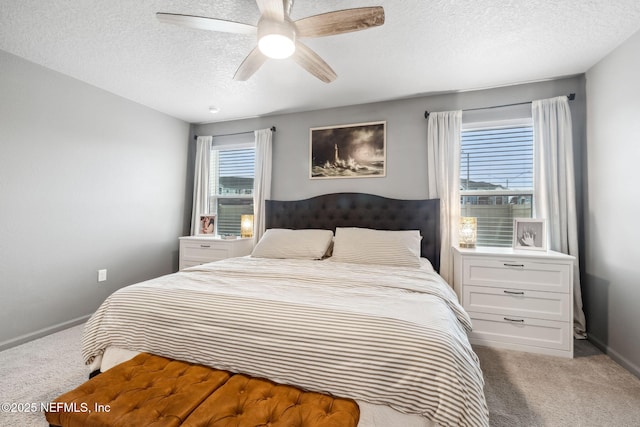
(468,232)
(276,46)
(246,225)
(276,39)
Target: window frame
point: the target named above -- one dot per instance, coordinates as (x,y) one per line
(487,125)
(214,198)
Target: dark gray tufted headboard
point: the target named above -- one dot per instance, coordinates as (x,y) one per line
(361,210)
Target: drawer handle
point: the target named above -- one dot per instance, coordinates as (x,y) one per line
(514,292)
(514,320)
(205,246)
(513,265)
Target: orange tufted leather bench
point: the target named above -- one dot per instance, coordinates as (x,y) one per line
(249,402)
(155,391)
(144,391)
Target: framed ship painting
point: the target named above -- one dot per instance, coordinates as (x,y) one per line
(348,151)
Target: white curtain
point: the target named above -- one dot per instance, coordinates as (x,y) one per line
(443,171)
(262,180)
(201,181)
(554,187)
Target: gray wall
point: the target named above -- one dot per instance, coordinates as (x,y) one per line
(88,181)
(612,203)
(406,136)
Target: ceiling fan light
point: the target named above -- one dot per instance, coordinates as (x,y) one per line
(276,39)
(276,46)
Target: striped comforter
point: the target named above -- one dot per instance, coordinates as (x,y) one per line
(391,336)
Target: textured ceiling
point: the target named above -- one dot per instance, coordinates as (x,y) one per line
(425,46)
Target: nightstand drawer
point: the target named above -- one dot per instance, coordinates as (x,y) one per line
(517,302)
(189,263)
(196,250)
(204,251)
(492,328)
(517,273)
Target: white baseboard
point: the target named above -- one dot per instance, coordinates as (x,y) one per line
(42,332)
(617,357)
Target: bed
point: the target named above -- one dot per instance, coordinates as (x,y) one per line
(373,322)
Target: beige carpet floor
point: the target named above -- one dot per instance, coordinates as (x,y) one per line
(40,371)
(521,389)
(590,390)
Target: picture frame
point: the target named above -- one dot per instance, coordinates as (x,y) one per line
(207,225)
(530,234)
(348,151)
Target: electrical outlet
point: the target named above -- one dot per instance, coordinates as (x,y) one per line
(102,275)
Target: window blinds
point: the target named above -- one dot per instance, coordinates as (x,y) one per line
(496,179)
(232,174)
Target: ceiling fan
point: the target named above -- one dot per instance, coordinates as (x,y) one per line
(278,36)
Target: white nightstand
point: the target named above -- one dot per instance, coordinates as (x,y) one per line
(517,299)
(196,250)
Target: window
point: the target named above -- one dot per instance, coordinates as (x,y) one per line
(231,186)
(496,178)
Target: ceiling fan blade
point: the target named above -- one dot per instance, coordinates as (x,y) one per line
(311,61)
(250,65)
(340,21)
(272,9)
(202,23)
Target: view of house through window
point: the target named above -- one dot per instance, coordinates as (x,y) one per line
(231,187)
(496,179)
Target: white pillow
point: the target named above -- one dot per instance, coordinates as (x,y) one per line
(296,244)
(382,247)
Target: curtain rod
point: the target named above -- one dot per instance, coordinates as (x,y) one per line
(272,129)
(570,97)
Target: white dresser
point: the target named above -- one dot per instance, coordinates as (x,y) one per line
(196,250)
(517,299)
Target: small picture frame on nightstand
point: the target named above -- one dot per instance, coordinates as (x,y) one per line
(207,225)
(530,233)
